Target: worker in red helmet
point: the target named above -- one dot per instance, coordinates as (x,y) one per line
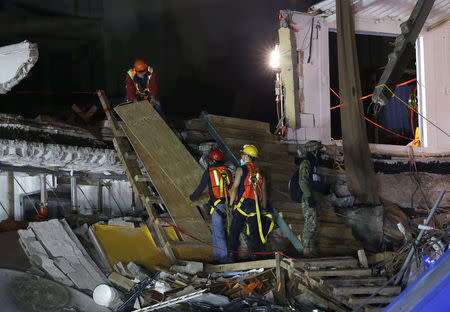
(218,179)
(141,84)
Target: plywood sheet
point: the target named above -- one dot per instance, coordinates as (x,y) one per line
(184,216)
(155,136)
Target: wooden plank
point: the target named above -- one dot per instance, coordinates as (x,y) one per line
(357,157)
(313,289)
(237,123)
(142,178)
(375,300)
(255,135)
(11,209)
(381,256)
(184,216)
(280,293)
(366,290)
(131,168)
(340,263)
(350,272)
(363,259)
(163,146)
(338,233)
(355,281)
(240,266)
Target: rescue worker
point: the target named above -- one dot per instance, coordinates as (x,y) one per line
(310,184)
(218,178)
(249,191)
(141,84)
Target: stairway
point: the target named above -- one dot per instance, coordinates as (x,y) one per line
(333,238)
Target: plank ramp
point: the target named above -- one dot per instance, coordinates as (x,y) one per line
(172,169)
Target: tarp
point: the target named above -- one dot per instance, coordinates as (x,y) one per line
(429,292)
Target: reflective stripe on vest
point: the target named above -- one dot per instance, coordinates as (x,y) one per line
(132,74)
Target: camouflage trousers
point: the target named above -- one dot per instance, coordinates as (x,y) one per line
(311,215)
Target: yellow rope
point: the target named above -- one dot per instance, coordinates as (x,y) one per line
(412,108)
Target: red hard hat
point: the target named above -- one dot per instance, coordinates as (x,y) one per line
(216,154)
(140,67)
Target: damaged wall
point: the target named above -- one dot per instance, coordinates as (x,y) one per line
(23,153)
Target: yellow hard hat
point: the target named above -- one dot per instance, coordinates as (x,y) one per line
(250,150)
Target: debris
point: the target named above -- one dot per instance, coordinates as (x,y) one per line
(52,246)
(137,272)
(189,267)
(121,281)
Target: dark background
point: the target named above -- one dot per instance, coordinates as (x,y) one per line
(208,54)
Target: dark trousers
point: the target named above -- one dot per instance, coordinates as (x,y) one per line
(238,223)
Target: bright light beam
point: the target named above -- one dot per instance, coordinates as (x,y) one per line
(275,58)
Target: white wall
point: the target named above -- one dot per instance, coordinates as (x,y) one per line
(433,54)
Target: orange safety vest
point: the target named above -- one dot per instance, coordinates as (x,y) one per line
(252,182)
(132,73)
(220,181)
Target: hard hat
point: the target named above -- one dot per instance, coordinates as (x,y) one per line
(140,67)
(250,150)
(311,146)
(216,154)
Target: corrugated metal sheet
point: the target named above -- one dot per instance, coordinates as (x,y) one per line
(398,10)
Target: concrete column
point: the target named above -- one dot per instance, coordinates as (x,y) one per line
(11,194)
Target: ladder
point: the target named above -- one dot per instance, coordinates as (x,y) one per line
(129,160)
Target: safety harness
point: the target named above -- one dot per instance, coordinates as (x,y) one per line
(252,184)
(143,93)
(220,189)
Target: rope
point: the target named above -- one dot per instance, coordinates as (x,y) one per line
(277,252)
(371,121)
(413,109)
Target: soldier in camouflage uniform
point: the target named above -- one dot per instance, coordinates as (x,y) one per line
(309,182)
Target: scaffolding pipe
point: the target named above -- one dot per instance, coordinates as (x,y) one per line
(73,192)
(43,190)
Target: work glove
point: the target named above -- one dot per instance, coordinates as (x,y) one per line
(188,201)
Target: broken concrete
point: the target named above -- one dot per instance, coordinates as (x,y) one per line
(16,60)
(52,246)
(23,153)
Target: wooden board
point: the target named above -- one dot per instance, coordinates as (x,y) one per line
(184,216)
(366,290)
(159,141)
(344,262)
(354,281)
(237,123)
(351,272)
(240,266)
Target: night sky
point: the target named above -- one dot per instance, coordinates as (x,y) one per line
(208,54)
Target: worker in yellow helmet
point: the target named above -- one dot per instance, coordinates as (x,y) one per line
(249,192)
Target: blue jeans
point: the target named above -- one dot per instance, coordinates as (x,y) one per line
(218,233)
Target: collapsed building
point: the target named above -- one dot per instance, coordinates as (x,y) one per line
(92,175)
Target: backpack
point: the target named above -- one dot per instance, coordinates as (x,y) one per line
(295,192)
